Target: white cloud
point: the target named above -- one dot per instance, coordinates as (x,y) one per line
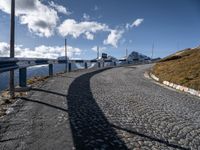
(22,6)
(100,48)
(60,8)
(135,23)
(114,37)
(4,49)
(40,23)
(89,36)
(42,19)
(86,17)
(88,29)
(128,26)
(75,29)
(40,51)
(39,18)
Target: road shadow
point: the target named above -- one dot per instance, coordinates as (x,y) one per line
(150,138)
(42,103)
(90,127)
(47,91)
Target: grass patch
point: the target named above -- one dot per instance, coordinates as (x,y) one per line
(36,79)
(180,68)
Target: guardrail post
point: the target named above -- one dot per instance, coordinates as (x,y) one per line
(22,77)
(99,65)
(50,69)
(115,64)
(86,65)
(69,67)
(66,66)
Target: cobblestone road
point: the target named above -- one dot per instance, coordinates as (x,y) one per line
(144,114)
(114,108)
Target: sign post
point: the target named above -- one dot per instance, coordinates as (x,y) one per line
(104,56)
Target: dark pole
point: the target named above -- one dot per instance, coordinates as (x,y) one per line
(66,54)
(12,46)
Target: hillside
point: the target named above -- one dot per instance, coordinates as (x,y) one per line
(181,68)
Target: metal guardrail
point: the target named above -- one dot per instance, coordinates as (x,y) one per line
(12,63)
(8,64)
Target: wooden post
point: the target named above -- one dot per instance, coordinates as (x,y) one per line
(22,77)
(12,47)
(50,69)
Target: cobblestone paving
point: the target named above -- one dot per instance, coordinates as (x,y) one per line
(113,108)
(146,115)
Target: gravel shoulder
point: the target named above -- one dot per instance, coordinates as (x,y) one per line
(113,108)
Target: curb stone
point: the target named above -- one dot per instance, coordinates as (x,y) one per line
(176,86)
(154,77)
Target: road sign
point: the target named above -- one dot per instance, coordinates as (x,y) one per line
(104,55)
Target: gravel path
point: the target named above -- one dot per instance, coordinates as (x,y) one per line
(113,108)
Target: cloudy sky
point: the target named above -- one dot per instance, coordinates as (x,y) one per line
(42,25)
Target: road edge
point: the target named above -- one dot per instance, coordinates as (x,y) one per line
(173,85)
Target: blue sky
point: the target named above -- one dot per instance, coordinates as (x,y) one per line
(113,25)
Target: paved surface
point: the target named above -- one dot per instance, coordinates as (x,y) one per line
(107,109)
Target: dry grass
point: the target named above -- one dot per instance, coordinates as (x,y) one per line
(181,68)
(36,79)
(6,101)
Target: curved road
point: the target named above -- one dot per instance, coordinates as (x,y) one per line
(112,108)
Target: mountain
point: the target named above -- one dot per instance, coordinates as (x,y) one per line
(135,56)
(112,58)
(62,58)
